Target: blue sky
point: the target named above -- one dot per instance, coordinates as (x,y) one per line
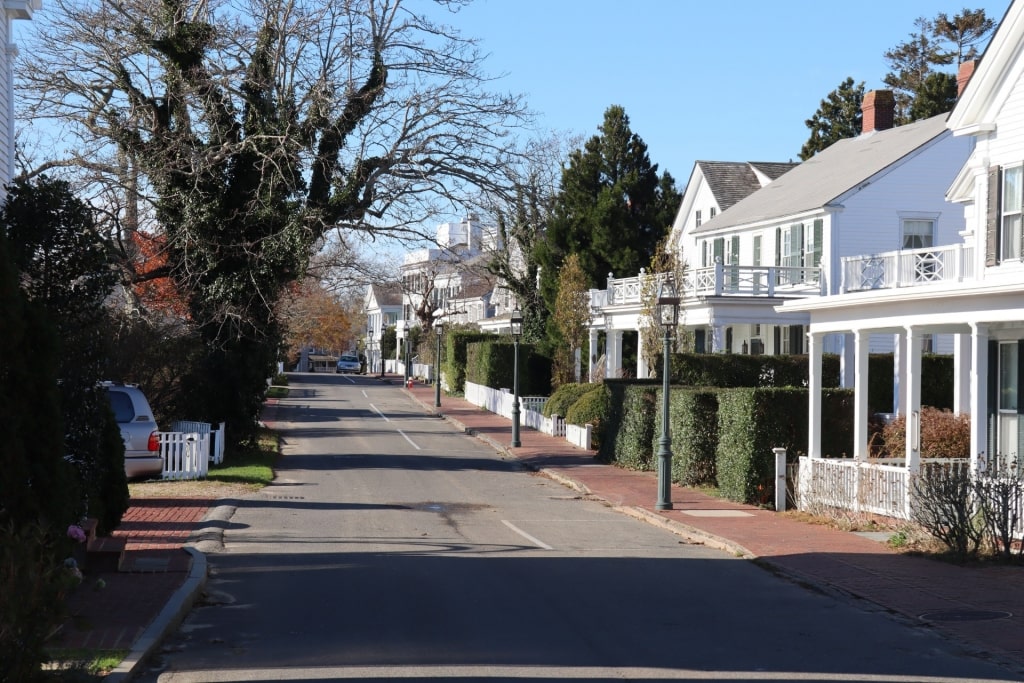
(725,80)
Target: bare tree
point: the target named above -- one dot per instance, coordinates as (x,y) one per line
(247,131)
(362,116)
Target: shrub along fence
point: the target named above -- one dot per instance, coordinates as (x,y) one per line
(722,437)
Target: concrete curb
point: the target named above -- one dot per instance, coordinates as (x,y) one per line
(170,616)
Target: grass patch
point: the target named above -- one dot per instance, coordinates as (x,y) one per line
(277,392)
(249,464)
(82,666)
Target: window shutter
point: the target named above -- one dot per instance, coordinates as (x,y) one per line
(819,225)
(992,217)
(777,340)
(719,249)
(1020,403)
(778,246)
(734,249)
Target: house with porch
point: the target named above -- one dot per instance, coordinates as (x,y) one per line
(713,187)
(383,308)
(969,285)
(880,191)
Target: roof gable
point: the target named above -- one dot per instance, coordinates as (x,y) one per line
(994,77)
(831,174)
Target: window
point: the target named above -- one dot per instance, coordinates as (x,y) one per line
(696,218)
(757,250)
(1011,213)
(712,212)
(918,233)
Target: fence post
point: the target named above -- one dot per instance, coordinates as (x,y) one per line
(780,479)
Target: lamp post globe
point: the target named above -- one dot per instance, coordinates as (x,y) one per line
(516,322)
(668,317)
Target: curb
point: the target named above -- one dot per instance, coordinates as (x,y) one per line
(170,616)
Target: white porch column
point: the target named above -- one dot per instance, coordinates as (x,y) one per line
(961,374)
(860,395)
(912,399)
(617,353)
(609,351)
(849,364)
(979,393)
(717,339)
(641,359)
(592,361)
(814,395)
(899,373)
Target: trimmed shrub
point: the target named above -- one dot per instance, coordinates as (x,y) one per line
(563,398)
(491,363)
(633,442)
(455,349)
(693,427)
(591,408)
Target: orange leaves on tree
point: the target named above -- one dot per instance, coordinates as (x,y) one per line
(157,293)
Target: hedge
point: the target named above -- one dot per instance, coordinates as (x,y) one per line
(491,363)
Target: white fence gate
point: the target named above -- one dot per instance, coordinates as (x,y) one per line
(185,454)
(215,451)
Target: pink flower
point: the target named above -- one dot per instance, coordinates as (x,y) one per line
(75,532)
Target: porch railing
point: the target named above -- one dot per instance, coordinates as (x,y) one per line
(908,268)
(718,280)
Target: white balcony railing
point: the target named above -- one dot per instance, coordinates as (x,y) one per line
(908,268)
(718,280)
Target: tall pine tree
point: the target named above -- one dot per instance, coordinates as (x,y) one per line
(612,210)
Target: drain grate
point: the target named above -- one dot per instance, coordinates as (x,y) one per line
(965,615)
(272,497)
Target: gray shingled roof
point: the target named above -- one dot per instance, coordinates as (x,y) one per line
(829,174)
(731,181)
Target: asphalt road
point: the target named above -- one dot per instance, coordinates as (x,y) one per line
(392,547)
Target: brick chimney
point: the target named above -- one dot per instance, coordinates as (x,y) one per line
(964,75)
(878,109)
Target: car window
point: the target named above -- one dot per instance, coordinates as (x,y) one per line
(350,359)
(124,411)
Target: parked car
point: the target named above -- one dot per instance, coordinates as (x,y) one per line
(138,429)
(348,363)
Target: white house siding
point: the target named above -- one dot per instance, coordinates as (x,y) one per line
(1006,146)
(7,104)
(701,200)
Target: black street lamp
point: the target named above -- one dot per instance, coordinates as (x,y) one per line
(517,331)
(439,328)
(668,317)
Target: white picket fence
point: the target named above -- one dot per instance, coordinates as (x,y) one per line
(185,454)
(499,402)
(216,447)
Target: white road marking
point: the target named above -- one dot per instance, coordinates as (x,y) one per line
(364,394)
(377,410)
(409,440)
(536,541)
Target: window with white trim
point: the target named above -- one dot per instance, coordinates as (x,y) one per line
(918,233)
(1011,213)
(696,218)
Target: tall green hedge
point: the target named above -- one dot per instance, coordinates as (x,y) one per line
(491,363)
(455,345)
(737,370)
(628,434)
(693,427)
(564,396)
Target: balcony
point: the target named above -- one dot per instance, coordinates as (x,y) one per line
(908,268)
(717,281)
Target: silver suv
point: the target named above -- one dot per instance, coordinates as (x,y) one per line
(138,429)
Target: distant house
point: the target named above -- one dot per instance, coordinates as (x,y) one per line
(383,307)
(969,284)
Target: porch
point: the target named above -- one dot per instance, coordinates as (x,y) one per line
(907,268)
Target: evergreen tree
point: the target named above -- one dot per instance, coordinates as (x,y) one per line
(936,96)
(838,117)
(940,42)
(611,211)
(66,270)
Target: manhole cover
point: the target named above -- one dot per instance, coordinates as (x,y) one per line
(965,615)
